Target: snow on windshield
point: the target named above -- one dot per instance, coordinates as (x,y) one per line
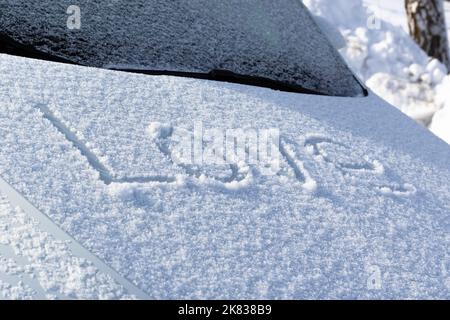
(277,40)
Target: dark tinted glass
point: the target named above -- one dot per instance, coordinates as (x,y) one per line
(274,40)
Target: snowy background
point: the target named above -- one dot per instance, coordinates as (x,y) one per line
(381,52)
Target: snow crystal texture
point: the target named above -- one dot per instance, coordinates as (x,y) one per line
(360,208)
(276,40)
(35,265)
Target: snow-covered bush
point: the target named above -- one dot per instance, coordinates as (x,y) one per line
(385,57)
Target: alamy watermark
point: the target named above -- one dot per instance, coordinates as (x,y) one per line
(258,148)
(373,22)
(74,17)
(374,280)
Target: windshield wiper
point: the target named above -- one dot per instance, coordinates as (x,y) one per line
(228,76)
(13,47)
(10,46)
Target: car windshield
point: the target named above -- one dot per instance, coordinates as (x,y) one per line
(260,42)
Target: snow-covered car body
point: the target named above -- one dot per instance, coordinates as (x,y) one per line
(96,200)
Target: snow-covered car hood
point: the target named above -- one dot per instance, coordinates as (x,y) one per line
(361,209)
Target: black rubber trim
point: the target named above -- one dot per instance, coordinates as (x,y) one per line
(13,47)
(228,76)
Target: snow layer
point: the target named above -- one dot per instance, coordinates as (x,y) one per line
(35,265)
(385,57)
(382,53)
(441,124)
(362,197)
(441,120)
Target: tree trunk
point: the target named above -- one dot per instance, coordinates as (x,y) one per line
(426,22)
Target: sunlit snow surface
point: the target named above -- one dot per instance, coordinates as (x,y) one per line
(364,194)
(34,264)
